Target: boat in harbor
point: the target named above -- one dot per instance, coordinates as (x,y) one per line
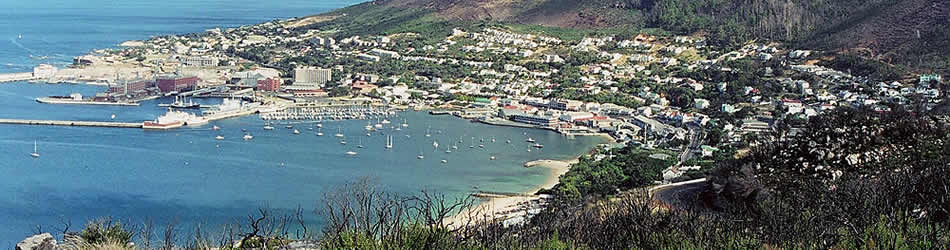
(538,145)
(360,145)
(248,137)
(445,161)
(530,140)
(215,128)
(174,119)
(181,103)
(339,133)
(389,142)
(219,137)
(296,132)
(404,123)
(350,153)
(35,154)
(268,127)
(320,131)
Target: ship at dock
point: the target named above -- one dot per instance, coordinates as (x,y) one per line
(228,106)
(174,119)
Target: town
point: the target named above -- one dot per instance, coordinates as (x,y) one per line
(674,93)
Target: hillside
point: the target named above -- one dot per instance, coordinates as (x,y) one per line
(878,29)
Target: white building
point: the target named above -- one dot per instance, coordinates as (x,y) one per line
(312,76)
(44,71)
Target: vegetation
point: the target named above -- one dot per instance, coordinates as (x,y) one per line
(623,169)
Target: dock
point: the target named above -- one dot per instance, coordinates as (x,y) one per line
(16,77)
(72,123)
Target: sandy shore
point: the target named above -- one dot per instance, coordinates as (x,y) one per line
(501,206)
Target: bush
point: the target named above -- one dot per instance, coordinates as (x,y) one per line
(106,231)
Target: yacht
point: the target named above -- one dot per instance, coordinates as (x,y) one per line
(319,132)
(350,153)
(530,140)
(492,158)
(361,144)
(215,127)
(389,142)
(289,127)
(296,132)
(248,137)
(320,125)
(339,133)
(268,127)
(538,145)
(219,137)
(420,156)
(35,153)
(445,161)
(404,123)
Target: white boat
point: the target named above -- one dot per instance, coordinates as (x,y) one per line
(445,161)
(350,153)
(319,132)
(296,132)
(173,119)
(320,125)
(427,133)
(343,142)
(113,116)
(389,142)
(35,154)
(481,146)
(492,158)
(248,137)
(493,139)
(435,144)
(215,127)
(404,123)
(530,140)
(339,133)
(361,144)
(538,145)
(219,137)
(385,121)
(420,156)
(268,127)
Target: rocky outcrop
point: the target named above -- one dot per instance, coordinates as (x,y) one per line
(43,241)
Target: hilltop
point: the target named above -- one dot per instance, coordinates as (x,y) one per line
(911,33)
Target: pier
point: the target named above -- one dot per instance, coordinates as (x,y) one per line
(71,123)
(16,77)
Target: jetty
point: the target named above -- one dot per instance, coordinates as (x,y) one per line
(16,77)
(71,123)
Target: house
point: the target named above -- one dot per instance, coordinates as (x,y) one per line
(701,103)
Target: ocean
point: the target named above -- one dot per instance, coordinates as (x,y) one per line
(187,176)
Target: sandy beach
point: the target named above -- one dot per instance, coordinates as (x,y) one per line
(500,206)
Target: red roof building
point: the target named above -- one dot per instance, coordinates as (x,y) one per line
(269,84)
(169,84)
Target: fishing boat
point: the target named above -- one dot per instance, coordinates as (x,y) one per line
(35,154)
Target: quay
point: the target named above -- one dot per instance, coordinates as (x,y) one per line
(72,123)
(16,77)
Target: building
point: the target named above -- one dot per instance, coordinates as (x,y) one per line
(269,84)
(575,116)
(310,93)
(518,115)
(176,83)
(565,104)
(44,71)
(312,76)
(384,53)
(370,78)
(129,87)
(200,61)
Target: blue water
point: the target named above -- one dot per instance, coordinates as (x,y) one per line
(186,175)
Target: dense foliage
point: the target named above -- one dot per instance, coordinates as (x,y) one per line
(622,169)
